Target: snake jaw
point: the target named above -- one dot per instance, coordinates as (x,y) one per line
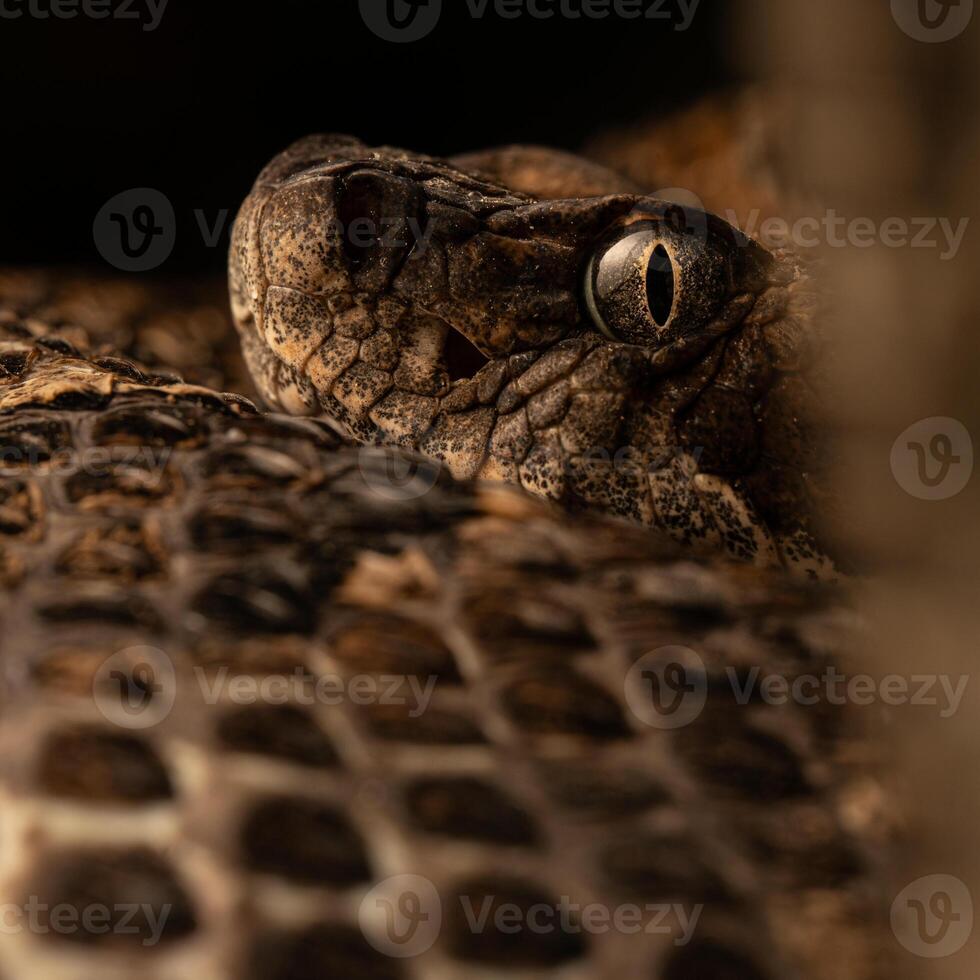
(468,339)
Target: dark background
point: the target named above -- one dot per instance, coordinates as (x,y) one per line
(197,106)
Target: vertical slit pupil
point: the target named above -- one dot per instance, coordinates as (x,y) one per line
(660,285)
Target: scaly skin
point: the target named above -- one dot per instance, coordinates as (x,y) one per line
(701,428)
(141,512)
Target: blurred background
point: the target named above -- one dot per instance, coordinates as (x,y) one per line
(886,125)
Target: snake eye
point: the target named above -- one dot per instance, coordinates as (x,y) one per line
(650,283)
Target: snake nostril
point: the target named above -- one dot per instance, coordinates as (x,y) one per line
(463,358)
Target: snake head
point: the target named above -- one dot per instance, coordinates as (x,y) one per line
(600,347)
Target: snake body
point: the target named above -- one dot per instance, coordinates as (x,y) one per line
(162,540)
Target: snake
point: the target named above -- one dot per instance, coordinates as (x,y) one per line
(442,662)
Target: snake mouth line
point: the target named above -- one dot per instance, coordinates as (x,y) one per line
(463,359)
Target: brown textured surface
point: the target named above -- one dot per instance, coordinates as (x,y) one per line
(263,545)
(170,326)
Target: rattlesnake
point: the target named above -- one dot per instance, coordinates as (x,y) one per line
(160,539)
